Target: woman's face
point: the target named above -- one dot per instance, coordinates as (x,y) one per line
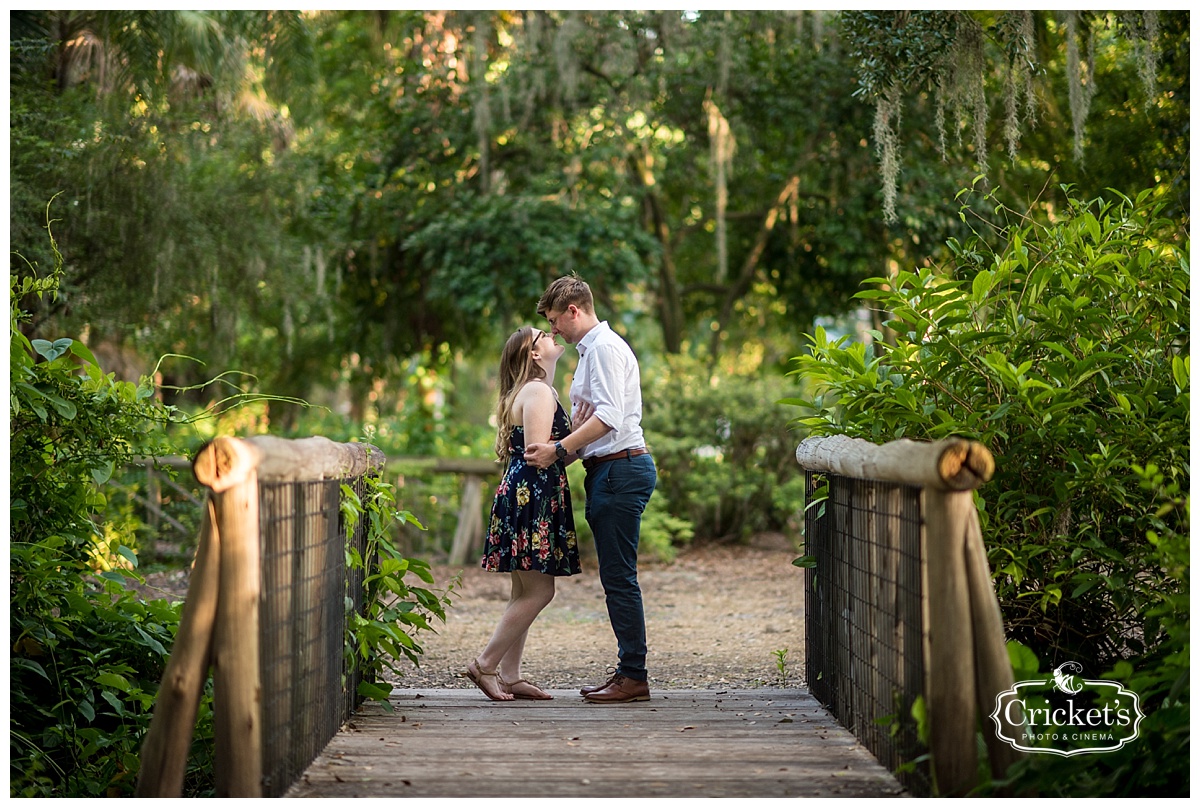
(545,346)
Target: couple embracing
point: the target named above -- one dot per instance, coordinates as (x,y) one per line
(531,532)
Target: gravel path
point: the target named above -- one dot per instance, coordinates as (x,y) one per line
(715,619)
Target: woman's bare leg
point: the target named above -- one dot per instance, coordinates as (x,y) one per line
(510,663)
(531,592)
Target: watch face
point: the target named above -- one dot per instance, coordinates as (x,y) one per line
(560,450)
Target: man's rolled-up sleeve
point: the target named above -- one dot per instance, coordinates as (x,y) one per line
(608,393)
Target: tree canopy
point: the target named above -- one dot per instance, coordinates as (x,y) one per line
(320,196)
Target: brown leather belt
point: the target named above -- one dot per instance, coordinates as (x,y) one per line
(592,462)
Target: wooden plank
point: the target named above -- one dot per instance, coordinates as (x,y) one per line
(455,743)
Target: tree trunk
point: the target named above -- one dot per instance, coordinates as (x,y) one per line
(750,266)
(670,305)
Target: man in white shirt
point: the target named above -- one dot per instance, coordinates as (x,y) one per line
(606,402)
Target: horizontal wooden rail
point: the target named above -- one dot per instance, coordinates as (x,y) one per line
(282,460)
(468,531)
(480,466)
(951,464)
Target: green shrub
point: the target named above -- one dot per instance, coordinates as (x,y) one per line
(662,534)
(1065,350)
(725,456)
(86,655)
(1158,762)
(395,611)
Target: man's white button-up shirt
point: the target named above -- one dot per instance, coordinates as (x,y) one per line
(608,377)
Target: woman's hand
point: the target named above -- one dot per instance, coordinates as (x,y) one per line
(583,411)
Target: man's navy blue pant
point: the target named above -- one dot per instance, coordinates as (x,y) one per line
(617,493)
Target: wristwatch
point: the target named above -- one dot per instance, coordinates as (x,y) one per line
(560,450)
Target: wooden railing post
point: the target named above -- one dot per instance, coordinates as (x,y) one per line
(220,621)
(950,670)
(993,670)
(468,534)
(154,496)
(230,470)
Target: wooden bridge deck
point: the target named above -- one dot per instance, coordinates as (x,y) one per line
(681,743)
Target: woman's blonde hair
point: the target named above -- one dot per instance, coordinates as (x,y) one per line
(516,368)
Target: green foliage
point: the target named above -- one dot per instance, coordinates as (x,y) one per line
(780,655)
(394,610)
(1158,762)
(724,453)
(906,48)
(491,257)
(1065,350)
(216,214)
(87,654)
(661,533)
(1010,76)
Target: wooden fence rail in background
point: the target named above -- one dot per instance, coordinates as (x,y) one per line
(475,471)
(220,620)
(468,531)
(965,660)
(152,500)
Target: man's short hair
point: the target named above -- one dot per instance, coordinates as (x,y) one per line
(569,290)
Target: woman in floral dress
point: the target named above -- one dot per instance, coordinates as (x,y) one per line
(531,532)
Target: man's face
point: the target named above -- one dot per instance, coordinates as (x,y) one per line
(565,323)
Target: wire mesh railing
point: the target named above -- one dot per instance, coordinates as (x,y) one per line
(308,691)
(863,627)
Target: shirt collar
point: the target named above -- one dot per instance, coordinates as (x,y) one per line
(591,336)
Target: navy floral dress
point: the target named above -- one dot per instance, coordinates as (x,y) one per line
(532,526)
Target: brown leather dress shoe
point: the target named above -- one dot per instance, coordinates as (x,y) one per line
(620,690)
(612,674)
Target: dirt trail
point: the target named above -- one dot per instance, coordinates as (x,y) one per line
(715,619)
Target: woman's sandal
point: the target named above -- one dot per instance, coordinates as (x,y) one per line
(530,691)
(477,675)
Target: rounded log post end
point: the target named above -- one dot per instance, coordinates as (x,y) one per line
(223,463)
(981,461)
(965,464)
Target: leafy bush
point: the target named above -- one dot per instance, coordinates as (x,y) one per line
(87,655)
(726,459)
(395,610)
(1158,762)
(661,533)
(1066,351)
